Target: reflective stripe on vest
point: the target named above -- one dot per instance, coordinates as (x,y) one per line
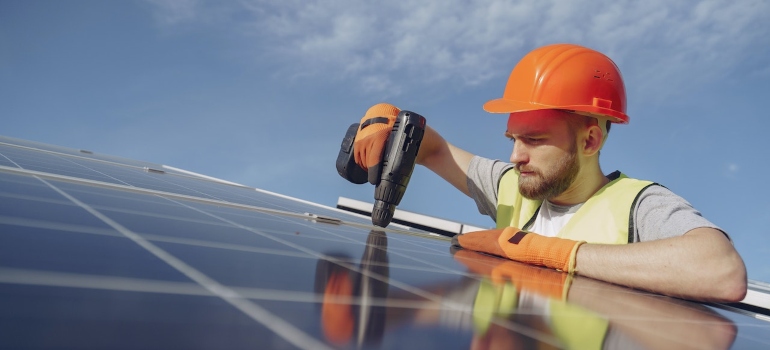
(604,218)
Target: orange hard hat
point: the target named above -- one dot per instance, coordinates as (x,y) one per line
(566,77)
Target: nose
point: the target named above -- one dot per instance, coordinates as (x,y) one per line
(519,153)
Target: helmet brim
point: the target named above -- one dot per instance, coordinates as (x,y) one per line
(505,106)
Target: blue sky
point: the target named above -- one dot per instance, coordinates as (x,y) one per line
(260,92)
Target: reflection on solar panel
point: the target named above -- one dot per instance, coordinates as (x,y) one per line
(103,252)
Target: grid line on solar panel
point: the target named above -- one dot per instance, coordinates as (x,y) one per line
(8,161)
(391,281)
(123,202)
(150,211)
(125,174)
(93,170)
(246,195)
(208,244)
(252,230)
(57,226)
(111,172)
(249,219)
(64,178)
(14,221)
(86,168)
(257,313)
(41,148)
(104,319)
(204,245)
(408,265)
(408,257)
(54,250)
(107,282)
(31,160)
(126,284)
(394,250)
(403,286)
(52,209)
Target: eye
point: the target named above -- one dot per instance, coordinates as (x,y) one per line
(533,140)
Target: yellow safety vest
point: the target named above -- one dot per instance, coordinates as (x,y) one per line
(605,218)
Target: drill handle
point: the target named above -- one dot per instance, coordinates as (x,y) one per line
(398,164)
(402,147)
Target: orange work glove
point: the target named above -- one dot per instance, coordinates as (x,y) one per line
(373,133)
(522,246)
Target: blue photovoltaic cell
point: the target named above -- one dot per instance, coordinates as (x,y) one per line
(97,252)
(44,249)
(73,154)
(133,174)
(54,317)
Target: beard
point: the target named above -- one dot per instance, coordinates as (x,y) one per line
(553,181)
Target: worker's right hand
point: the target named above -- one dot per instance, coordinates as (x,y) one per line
(373,133)
(522,246)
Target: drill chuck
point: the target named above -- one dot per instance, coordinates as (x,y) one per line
(387,196)
(382,213)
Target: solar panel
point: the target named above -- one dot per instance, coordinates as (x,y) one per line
(98,251)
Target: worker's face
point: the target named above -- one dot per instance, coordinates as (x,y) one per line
(544,151)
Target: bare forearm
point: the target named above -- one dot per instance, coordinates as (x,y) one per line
(444,159)
(700,265)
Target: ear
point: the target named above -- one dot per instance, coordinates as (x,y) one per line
(593,139)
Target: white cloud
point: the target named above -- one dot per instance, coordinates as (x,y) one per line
(730,170)
(657,43)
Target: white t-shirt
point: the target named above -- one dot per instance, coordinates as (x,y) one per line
(551,218)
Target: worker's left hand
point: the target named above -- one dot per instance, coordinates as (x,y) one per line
(527,247)
(372,136)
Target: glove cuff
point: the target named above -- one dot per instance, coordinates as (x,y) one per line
(572,266)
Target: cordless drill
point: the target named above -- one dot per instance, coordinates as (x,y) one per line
(396,167)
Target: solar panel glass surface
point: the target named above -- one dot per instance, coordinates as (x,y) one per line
(104,254)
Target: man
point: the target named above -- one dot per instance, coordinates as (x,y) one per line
(553,204)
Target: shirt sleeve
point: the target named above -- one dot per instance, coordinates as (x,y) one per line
(660,213)
(483,179)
